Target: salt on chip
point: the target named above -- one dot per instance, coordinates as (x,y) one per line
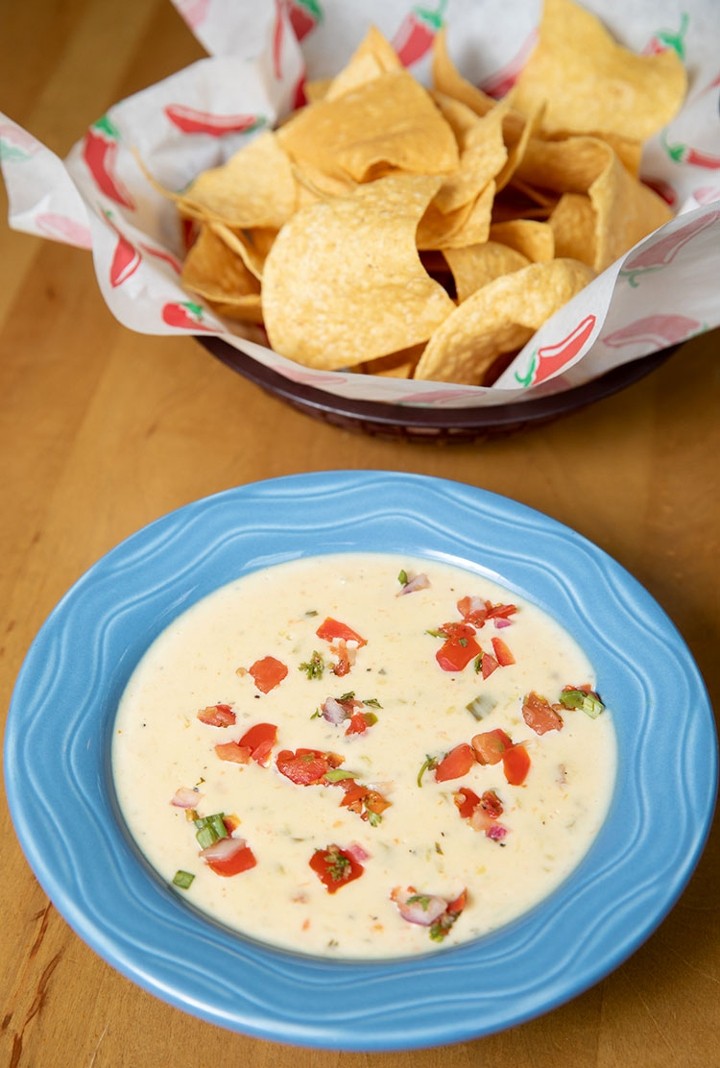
(214,272)
(589,82)
(388,121)
(344,283)
(498,319)
(573,223)
(527,236)
(474,266)
(255,187)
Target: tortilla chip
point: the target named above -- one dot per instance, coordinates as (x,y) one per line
(573,223)
(532,239)
(344,283)
(468,225)
(214,272)
(499,318)
(626,211)
(473,267)
(251,245)
(589,82)
(254,188)
(568,166)
(389,121)
(395,364)
(482,152)
(447,79)
(373,57)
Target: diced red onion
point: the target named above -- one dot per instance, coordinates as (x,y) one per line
(333,711)
(424,911)
(357,852)
(185,797)
(501,621)
(496,832)
(419,582)
(223,849)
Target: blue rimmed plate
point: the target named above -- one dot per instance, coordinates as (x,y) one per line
(62,800)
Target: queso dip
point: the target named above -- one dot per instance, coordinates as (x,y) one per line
(364,755)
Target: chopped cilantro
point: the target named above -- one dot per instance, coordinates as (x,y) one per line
(314,667)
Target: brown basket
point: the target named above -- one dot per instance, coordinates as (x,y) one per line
(432,425)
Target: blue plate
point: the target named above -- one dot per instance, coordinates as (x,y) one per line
(60,789)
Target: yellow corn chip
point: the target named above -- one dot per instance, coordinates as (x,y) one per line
(588,81)
(467,225)
(476,265)
(254,188)
(626,211)
(374,56)
(573,223)
(390,121)
(214,272)
(251,245)
(482,152)
(499,318)
(344,283)
(532,239)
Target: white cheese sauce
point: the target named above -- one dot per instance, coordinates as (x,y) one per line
(421,841)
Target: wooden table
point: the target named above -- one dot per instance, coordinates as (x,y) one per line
(104,430)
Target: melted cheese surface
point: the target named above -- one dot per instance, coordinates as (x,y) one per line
(421,841)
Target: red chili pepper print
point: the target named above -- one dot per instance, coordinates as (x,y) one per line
(62,228)
(304,16)
(191,121)
(663,40)
(502,81)
(686,154)
(660,253)
(99,151)
(185,315)
(416,33)
(656,330)
(549,359)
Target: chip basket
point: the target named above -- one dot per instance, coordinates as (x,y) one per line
(433,425)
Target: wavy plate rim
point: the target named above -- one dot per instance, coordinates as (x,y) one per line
(58,774)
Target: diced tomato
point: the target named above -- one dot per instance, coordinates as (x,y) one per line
(217,715)
(360,721)
(501,611)
(489,746)
(230,856)
(455,763)
(335,867)
(516,764)
(344,661)
(456,907)
(502,654)
(236,754)
(476,611)
(268,673)
(466,801)
(306,767)
(355,794)
(260,739)
(539,714)
(488,664)
(456,653)
(491,804)
(331,630)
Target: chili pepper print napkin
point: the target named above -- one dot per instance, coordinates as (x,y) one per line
(662,292)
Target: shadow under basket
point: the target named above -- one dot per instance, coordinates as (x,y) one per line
(432,425)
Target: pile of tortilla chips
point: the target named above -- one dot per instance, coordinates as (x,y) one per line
(429,232)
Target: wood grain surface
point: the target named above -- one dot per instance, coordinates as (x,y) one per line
(103,430)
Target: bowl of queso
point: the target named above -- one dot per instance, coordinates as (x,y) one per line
(364,761)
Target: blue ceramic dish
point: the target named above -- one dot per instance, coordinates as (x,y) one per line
(62,799)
